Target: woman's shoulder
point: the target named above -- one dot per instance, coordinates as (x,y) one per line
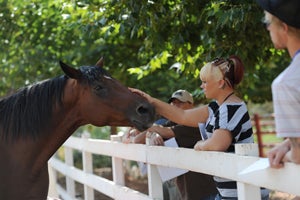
(213,105)
(229,106)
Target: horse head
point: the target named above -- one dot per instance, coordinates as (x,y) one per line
(105,101)
(38,119)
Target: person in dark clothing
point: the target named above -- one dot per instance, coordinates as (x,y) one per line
(193,185)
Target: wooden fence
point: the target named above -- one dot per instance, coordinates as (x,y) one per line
(264,126)
(249,170)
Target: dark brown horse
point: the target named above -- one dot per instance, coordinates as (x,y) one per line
(35,122)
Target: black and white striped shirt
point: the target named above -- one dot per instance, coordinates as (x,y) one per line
(235,118)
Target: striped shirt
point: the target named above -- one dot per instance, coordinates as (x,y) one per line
(235,118)
(286,100)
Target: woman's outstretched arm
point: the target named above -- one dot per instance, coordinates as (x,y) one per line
(189,117)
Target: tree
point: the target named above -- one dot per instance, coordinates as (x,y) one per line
(157,46)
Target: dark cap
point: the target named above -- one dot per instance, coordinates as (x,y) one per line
(287,11)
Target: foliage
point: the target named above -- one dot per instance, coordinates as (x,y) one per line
(157,46)
(94,132)
(99,161)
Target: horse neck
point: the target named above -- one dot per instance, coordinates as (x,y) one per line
(65,122)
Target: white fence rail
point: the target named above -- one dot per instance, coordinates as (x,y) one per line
(231,166)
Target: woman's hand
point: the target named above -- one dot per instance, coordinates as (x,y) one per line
(141,93)
(198,146)
(219,141)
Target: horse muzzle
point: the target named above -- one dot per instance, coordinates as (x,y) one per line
(144,116)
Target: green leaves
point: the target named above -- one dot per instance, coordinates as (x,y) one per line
(139,40)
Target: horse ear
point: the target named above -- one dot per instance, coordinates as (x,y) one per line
(70,71)
(100,62)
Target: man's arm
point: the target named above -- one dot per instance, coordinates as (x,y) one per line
(164,132)
(295,150)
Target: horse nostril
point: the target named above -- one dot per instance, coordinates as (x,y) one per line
(145,109)
(141,110)
(145,116)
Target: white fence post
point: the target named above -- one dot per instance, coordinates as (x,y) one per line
(70,183)
(117,165)
(155,185)
(87,161)
(247,191)
(52,191)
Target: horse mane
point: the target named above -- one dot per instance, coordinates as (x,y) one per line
(28,112)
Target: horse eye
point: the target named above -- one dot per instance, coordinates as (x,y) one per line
(98,87)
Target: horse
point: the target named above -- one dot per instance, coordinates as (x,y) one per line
(37,119)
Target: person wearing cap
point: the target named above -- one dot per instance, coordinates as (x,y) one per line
(191,185)
(226,118)
(282,19)
(183,96)
(181,99)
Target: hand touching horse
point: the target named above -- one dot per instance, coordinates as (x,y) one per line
(36,121)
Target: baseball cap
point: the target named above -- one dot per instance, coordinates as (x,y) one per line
(182,95)
(287,11)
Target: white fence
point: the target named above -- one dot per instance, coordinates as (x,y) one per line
(247,169)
